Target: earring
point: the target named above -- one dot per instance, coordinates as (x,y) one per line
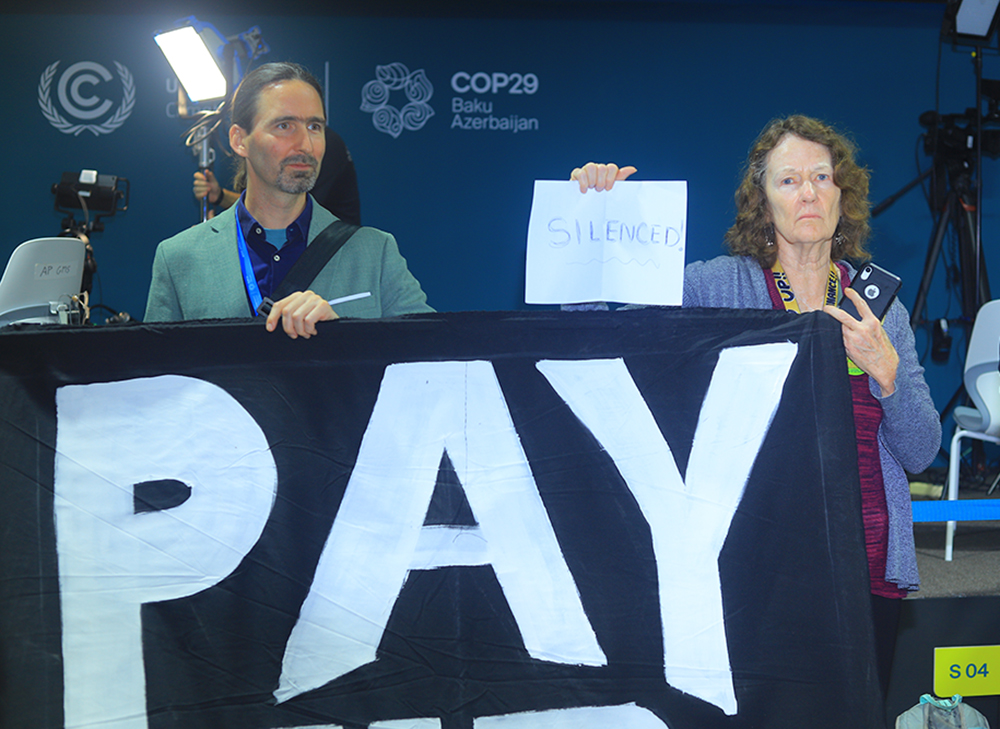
(839,241)
(769,236)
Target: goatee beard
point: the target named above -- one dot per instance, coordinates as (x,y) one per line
(299,181)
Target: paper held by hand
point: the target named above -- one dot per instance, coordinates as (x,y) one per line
(625,245)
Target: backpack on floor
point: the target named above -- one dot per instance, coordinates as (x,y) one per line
(933,713)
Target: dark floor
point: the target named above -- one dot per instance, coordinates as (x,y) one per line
(975,566)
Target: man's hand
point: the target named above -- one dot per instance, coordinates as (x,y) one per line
(600,176)
(205,184)
(299,313)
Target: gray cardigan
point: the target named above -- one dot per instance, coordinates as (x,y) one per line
(910,434)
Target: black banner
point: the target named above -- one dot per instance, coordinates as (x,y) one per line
(646,518)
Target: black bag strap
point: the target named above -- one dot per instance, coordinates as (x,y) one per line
(317,254)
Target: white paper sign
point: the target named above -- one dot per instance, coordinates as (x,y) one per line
(623,245)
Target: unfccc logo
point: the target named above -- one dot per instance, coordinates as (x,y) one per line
(386,118)
(74,90)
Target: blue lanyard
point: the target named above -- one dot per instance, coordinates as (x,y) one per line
(249,278)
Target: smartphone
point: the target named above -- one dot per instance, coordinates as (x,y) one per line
(877,287)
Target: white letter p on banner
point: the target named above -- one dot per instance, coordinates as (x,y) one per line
(114,557)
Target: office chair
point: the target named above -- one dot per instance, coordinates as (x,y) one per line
(982,382)
(40,280)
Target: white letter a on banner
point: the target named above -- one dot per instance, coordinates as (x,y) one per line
(423,410)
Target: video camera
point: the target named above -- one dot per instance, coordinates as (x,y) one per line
(94,194)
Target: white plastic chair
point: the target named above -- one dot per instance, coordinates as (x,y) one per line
(982,382)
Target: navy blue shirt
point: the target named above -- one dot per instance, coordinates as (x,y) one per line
(271,264)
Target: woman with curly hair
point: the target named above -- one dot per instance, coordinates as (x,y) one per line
(802,211)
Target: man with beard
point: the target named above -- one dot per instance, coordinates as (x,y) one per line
(225,267)
(336,186)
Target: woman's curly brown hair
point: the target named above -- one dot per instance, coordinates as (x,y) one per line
(753,226)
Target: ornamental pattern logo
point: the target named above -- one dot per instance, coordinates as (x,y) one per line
(387,118)
(78,101)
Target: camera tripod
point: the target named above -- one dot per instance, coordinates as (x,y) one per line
(958,213)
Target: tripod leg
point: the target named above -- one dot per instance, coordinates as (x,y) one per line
(984,279)
(996,481)
(933,253)
(975,280)
(966,225)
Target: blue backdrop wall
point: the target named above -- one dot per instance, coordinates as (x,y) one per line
(678,89)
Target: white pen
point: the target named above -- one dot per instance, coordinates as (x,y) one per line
(352,297)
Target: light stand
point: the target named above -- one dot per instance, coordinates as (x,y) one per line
(208,68)
(199,139)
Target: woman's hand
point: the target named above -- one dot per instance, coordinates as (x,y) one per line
(866,342)
(600,176)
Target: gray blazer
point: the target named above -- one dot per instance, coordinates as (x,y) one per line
(196,274)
